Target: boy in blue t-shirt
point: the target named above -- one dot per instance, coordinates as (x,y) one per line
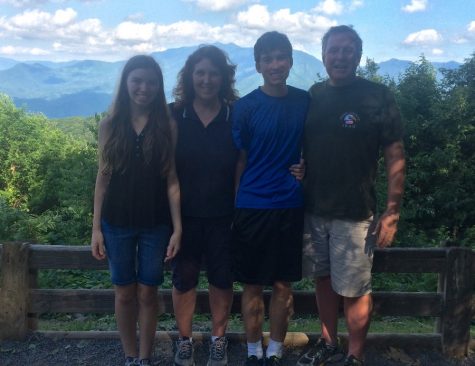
(267,230)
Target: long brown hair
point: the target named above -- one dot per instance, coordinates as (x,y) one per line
(118,149)
(184,92)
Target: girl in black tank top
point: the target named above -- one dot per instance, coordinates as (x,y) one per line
(137,201)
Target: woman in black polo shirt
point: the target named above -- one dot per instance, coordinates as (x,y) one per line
(206,161)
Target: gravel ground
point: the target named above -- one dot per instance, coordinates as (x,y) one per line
(40,350)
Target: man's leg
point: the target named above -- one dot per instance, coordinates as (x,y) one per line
(358,316)
(184,308)
(147,316)
(220,301)
(328,306)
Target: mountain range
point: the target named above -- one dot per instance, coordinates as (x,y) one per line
(86,87)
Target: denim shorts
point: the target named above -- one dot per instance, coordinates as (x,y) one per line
(136,254)
(341,249)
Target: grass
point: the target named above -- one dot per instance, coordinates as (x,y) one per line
(201,322)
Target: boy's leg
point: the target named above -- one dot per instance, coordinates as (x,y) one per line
(280,310)
(252,306)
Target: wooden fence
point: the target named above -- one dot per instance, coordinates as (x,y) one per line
(451,305)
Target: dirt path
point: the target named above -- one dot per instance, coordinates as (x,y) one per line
(39,350)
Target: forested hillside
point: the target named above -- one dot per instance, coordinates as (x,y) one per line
(47,167)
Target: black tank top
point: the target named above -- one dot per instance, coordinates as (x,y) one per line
(137,196)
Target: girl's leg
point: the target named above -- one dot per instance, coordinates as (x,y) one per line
(147,318)
(126,317)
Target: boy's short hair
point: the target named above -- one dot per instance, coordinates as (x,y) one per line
(271,41)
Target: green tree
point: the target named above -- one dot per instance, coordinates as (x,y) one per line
(46,178)
(439,146)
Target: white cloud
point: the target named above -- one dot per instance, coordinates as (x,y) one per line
(329,7)
(130,31)
(415,5)
(356,4)
(460,40)
(22,3)
(67,36)
(12,51)
(36,3)
(218,5)
(64,17)
(437,51)
(471,26)
(425,36)
(256,16)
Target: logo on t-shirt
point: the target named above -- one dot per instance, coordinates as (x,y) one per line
(349,119)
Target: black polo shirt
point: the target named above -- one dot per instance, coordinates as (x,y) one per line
(206,161)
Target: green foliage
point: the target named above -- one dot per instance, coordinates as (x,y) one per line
(46,179)
(74,279)
(440,146)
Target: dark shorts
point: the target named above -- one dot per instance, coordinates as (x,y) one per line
(267,245)
(136,254)
(205,240)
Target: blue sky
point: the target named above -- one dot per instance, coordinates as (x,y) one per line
(61,30)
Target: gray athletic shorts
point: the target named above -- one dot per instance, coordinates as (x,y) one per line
(341,249)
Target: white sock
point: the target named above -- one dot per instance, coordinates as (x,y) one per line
(255,349)
(274,348)
(213,338)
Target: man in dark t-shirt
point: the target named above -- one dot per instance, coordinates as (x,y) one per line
(350,121)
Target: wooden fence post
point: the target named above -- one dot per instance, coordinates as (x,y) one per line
(14,292)
(456,316)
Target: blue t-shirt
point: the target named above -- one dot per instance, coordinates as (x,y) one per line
(270,130)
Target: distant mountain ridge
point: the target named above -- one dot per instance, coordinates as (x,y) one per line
(82,88)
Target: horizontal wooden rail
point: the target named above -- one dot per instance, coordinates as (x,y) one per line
(395,260)
(425,304)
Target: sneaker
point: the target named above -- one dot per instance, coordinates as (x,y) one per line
(145,362)
(353,361)
(218,354)
(131,361)
(320,355)
(273,361)
(254,361)
(184,353)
